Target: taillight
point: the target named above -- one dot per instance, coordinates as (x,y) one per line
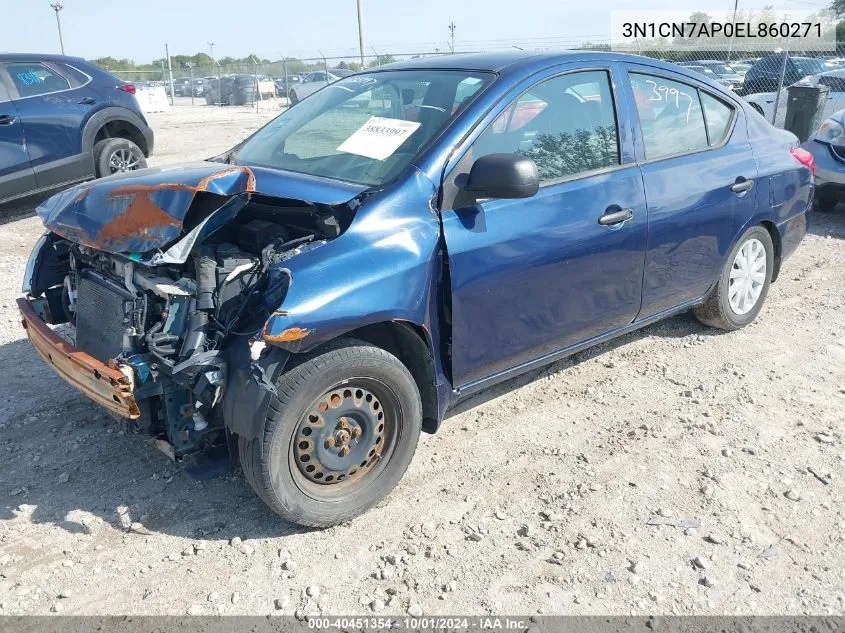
(130,88)
(805,158)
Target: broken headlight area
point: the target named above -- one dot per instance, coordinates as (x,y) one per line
(173,325)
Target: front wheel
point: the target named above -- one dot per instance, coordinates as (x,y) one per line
(293,98)
(338,437)
(738,296)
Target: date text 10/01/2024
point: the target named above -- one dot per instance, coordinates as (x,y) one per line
(418,623)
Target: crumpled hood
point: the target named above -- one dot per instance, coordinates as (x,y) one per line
(141,211)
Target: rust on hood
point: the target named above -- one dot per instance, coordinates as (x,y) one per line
(139,212)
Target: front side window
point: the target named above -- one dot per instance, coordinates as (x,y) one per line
(566,125)
(671,118)
(33,78)
(365,128)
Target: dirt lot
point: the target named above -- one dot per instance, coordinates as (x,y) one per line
(676,470)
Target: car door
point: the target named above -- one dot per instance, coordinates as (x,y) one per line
(531,277)
(52,109)
(699,175)
(16,174)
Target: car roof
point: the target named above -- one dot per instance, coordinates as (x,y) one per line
(507,62)
(9,57)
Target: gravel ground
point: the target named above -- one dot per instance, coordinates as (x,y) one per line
(675,470)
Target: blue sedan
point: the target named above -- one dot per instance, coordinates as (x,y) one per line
(326,290)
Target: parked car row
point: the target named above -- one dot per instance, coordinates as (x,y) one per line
(320,294)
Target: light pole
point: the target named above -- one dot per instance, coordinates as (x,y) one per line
(58,7)
(452,30)
(211,49)
(361,35)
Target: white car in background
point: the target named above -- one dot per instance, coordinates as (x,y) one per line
(312,82)
(764,102)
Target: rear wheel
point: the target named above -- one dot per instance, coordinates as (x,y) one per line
(339,435)
(117,155)
(738,296)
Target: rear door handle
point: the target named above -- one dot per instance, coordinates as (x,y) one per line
(6,119)
(615,217)
(741,186)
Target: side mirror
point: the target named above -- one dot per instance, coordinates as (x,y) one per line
(503,176)
(407,96)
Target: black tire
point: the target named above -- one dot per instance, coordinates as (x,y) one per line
(824,203)
(293,98)
(716,310)
(338,376)
(114,148)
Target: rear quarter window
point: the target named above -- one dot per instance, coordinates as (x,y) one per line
(75,77)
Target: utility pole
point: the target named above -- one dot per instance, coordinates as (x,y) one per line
(211,49)
(361,35)
(170,75)
(731,41)
(58,7)
(452,31)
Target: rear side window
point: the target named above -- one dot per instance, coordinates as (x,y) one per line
(718,116)
(32,79)
(566,125)
(671,118)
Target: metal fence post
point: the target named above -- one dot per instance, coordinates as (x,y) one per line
(780,83)
(170,75)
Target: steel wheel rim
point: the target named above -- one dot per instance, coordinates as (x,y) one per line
(360,415)
(123,160)
(748,277)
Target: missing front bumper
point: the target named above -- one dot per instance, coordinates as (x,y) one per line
(109,387)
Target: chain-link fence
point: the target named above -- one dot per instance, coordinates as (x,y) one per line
(760,76)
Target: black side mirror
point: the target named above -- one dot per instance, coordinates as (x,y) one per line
(503,176)
(408,95)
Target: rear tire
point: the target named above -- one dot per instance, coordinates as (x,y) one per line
(729,306)
(117,155)
(293,98)
(824,203)
(351,397)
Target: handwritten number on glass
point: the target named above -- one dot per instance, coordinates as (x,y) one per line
(662,92)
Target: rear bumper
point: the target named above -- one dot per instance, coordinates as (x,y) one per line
(110,387)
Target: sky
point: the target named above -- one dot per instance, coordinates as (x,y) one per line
(139,29)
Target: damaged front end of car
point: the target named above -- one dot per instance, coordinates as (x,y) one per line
(167,280)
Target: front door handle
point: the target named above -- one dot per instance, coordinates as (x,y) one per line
(741,186)
(6,119)
(616,216)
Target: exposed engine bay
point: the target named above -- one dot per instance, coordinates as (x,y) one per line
(174,322)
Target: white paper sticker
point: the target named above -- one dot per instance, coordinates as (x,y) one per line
(379,137)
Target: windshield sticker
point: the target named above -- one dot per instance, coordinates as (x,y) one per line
(378,138)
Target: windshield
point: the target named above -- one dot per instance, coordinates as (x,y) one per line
(365,128)
(809,66)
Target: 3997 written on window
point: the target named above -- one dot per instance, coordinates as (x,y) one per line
(672,118)
(566,125)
